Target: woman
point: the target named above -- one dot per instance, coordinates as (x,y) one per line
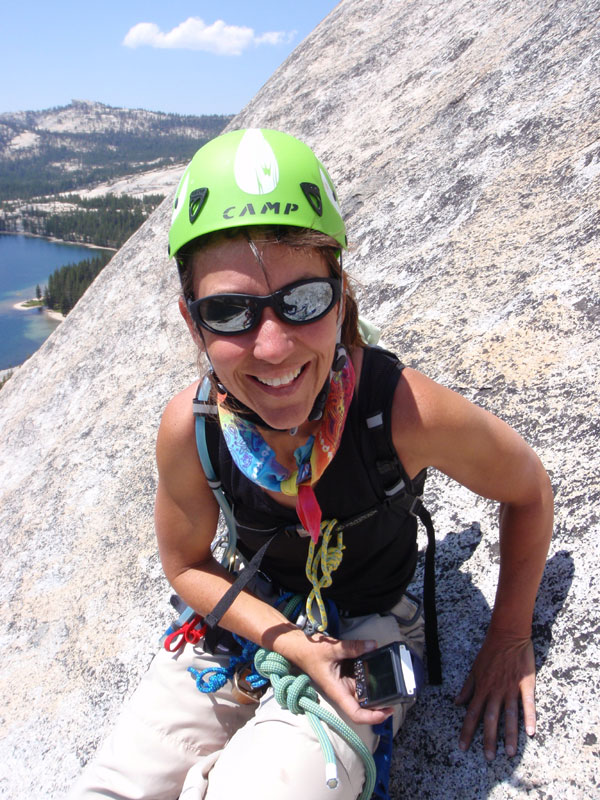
(257,236)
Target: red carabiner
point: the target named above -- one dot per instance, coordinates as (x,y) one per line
(189,632)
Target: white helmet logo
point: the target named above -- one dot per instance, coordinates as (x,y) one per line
(181,195)
(255,168)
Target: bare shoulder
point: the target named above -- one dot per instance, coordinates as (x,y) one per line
(433,426)
(177,421)
(185,511)
(176,438)
(421,404)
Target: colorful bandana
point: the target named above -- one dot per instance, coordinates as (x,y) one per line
(257,461)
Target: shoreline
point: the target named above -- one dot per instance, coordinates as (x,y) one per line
(58,241)
(50,312)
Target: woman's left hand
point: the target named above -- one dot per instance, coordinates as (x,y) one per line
(503,670)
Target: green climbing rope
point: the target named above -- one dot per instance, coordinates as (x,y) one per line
(296,694)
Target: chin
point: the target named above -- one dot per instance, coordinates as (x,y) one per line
(284,419)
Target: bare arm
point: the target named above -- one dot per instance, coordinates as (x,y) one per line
(186,515)
(436,427)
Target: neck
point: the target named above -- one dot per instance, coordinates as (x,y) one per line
(283,444)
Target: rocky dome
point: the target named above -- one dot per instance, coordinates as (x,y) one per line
(464,140)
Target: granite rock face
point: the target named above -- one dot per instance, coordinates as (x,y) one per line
(464,139)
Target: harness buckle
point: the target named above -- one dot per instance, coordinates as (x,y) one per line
(415,507)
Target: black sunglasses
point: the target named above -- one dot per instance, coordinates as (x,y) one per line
(297,303)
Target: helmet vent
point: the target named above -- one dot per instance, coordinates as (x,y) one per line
(197,198)
(313,195)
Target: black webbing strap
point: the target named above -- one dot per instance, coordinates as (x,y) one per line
(434,658)
(400,490)
(413,505)
(240,583)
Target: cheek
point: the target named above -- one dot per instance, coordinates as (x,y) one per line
(322,334)
(224,354)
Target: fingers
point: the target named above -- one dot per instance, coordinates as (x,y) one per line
(491,712)
(341,692)
(528,701)
(490,728)
(470,723)
(369,716)
(352,648)
(466,693)
(502,671)
(511,727)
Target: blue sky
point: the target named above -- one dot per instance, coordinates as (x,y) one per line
(184,57)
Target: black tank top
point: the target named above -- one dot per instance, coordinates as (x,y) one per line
(379,536)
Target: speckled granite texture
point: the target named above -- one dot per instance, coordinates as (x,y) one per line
(465,141)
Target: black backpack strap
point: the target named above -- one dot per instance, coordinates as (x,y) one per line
(384,372)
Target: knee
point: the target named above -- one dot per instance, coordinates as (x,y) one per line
(276,760)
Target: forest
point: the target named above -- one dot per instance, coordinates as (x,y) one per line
(67,284)
(107,221)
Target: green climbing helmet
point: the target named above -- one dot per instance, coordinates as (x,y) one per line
(254,177)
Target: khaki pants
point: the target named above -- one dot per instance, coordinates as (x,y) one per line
(171,740)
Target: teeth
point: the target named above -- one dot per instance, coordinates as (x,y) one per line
(282,380)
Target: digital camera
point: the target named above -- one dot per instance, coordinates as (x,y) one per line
(389,675)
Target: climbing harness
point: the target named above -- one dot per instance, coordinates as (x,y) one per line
(394,482)
(398,490)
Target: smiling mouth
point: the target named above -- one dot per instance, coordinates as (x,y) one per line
(282,380)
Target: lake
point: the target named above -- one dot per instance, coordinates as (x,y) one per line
(26,261)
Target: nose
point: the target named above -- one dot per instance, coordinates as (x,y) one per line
(272,340)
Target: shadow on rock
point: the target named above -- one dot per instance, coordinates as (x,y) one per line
(427,761)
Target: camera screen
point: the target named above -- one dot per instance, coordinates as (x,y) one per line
(379,675)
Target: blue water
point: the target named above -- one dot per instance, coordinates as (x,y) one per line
(26,261)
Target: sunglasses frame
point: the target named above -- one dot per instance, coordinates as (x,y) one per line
(258,303)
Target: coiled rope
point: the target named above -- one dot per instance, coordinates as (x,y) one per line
(328,559)
(298,696)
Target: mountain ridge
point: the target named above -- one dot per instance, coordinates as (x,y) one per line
(78,146)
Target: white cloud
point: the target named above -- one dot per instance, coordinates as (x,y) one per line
(195,34)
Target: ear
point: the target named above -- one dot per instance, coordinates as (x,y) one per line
(191,325)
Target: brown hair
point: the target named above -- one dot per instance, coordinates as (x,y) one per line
(289,237)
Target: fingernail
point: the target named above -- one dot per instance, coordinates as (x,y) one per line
(369,644)
(489,754)
(510,751)
(462,746)
(530,730)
